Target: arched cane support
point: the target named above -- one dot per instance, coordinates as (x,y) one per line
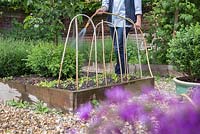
(94,42)
(66,42)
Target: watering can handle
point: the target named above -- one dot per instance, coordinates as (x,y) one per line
(87,24)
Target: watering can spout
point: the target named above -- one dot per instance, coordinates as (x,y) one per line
(82,32)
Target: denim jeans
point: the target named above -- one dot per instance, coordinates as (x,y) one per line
(121,38)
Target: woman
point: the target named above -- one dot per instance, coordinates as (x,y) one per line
(127,8)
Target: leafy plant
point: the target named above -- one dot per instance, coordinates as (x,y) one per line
(7,78)
(95,102)
(38,107)
(45,59)
(166,18)
(132,53)
(12,57)
(86,82)
(46,18)
(18,103)
(19,33)
(41,108)
(91,6)
(85,49)
(49,84)
(184,51)
(115,77)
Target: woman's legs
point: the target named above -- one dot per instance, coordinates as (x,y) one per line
(121,38)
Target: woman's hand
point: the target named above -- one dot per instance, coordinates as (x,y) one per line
(138,23)
(101,10)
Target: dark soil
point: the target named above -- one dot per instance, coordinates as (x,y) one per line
(31,79)
(70,83)
(189,79)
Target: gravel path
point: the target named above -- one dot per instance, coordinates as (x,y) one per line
(165,84)
(25,121)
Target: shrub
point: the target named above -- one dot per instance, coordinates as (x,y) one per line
(12,55)
(45,59)
(90,6)
(152,112)
(18,32)
(86,47)
(184,51)
(167,18)
(132,53)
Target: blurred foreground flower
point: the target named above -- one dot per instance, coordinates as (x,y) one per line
(84,111)
(195,95)
(117,95)
(131,112)
(153,112)
(186,120)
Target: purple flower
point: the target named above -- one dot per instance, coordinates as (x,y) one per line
(195,95)
(155,96)
(70,131)
(84,111)
(131,112)
(117,95)
(146,90)
(186,120)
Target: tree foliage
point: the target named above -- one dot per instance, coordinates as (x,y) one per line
(46,16)
(165,19)
(184,51)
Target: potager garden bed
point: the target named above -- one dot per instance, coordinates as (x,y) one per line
(67,98)
(69,84)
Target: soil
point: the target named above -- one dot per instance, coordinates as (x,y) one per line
(70,84)
(31,79)
(189,79)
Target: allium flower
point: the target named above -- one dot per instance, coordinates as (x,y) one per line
(117,95)
(184,121)
(195,95)
(131,112)
(84,111)
(155,111)
(146,90)
(159,97)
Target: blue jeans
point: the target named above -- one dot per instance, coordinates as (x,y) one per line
(120,32)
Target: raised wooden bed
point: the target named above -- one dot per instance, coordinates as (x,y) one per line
(69,100)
